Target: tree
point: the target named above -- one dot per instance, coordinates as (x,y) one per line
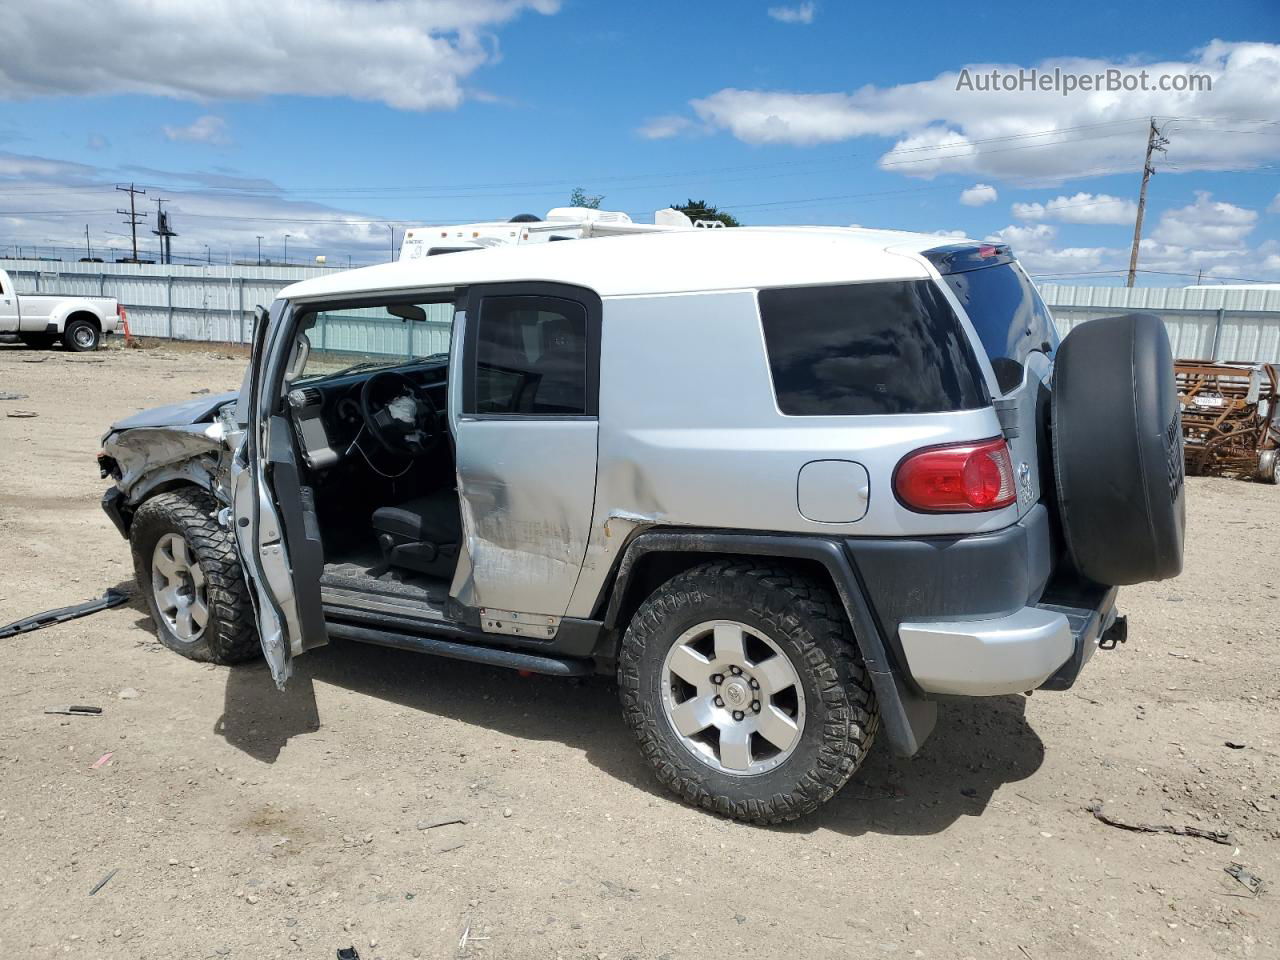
(701,210)
(580,198)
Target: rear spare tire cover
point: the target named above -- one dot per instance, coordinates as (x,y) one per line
(1117,450)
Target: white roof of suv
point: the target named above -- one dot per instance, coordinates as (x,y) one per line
(657,263)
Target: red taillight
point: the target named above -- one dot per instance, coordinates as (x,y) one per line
(957,477)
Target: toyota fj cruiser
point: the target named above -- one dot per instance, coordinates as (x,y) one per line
(788,484)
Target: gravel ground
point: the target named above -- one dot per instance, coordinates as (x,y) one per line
(235,821)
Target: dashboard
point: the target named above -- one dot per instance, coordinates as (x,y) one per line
(326,410)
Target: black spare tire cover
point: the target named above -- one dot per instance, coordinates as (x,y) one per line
(1117,450)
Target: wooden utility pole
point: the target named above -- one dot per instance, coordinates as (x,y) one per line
(134,218)
(1155,141)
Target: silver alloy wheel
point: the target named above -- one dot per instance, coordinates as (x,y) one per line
(83,335)
(178,584)
(732,697)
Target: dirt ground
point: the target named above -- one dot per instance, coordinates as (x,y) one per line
(236,821)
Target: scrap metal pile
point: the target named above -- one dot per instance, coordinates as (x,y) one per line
(1230,417)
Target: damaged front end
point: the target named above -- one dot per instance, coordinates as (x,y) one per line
(187,444)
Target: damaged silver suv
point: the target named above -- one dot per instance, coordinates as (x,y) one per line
(789,485)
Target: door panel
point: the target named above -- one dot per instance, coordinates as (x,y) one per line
(524,387)
(278,557)
(8,305)
(527,489)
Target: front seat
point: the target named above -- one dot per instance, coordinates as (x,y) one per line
(422,534)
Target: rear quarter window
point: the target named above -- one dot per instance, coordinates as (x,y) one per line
(868,348)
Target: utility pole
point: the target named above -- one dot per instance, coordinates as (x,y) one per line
(286,249)
(1155,141)
(164,231)
(135,218)
(259,249)
(88,250)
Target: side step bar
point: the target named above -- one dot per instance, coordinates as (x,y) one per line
(514,660)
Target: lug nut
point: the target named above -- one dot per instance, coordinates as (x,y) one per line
(719,701)
(738,714)
(755,684)
(735,670)
(755,705)
(717,678)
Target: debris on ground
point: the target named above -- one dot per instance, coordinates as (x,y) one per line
(12,396)
(21,414)
(102,761)
(112,598)
(128,693)
(1247,877)
(1217,836)
(1234,744)
(348,953)
(442,821)
(103,882)
(76,710)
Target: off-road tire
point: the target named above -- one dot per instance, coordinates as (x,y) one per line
(230,635)
(76,330)
(811,628)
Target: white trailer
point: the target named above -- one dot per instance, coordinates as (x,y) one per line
(560,223)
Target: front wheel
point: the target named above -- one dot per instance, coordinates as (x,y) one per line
(744,687)
(188,570)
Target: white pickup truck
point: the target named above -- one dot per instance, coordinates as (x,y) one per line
(40,320)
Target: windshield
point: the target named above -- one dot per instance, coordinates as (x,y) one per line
(355,339)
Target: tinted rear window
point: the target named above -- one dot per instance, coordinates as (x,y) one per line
(867,348)
(1009,316)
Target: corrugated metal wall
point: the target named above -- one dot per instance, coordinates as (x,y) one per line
(216,303)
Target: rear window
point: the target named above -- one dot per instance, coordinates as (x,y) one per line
(868,348)
(1008,315)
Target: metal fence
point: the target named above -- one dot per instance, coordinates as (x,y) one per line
(215,303)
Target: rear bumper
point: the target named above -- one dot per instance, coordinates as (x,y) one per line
(1041,646)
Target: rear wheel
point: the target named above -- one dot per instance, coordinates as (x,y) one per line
(81,336)
(187,568)
(742,684)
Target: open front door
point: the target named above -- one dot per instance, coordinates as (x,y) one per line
(275,522)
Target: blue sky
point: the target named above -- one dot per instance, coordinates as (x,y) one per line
(313,118)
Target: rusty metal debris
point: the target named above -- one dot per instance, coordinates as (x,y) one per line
(1217,836)
(1230,418)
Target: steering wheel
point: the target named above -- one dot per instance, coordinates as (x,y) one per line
(409,428)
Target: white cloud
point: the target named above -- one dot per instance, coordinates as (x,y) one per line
(1206,224)
(661,128)
(1275,205)
(1001,134)
(800,13)
(207,129)
(408,54)
(978,195)
(1034,247)
(1096,208)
